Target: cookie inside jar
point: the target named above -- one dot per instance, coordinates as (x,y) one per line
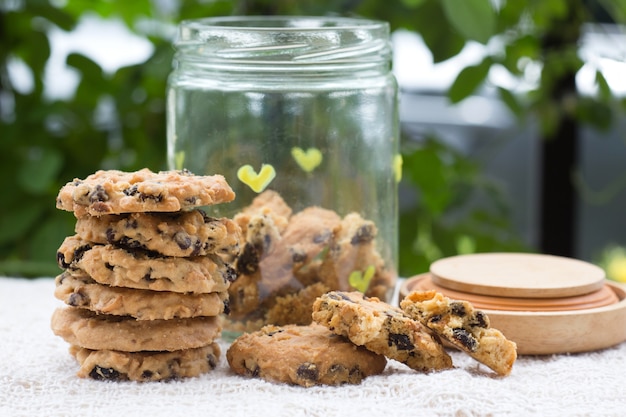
(289,258)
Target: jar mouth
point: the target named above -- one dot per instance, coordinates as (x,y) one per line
(280,23)
(287,41)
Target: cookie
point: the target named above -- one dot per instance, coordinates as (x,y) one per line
(112,365)
(295,308)
(138,269)
(179,234)
(353,250)
(84,328)
(82,291)
(269,262)
(381,328)
(467,328)
(306,242)
(261,236)
(71,251)
(114,192)
(302,355)
(269,203)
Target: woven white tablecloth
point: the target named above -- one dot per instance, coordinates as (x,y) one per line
(37,378)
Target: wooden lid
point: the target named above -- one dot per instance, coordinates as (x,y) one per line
(517,275)
(599,298)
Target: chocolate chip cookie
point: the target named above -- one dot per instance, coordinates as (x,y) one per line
(81,290)
(381,328)
(113,365)
(179,234)
(139,269)
(353,249)
(114,192)
(302,355)
(465,327)
(84,328)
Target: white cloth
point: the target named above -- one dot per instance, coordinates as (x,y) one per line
(38,377)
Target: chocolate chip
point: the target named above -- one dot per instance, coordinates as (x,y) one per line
(128,243)
(308,371)
(401,341)
(80,251)
(457,308)
(98,194)
(197,247)
(148,277)
(156,198)
(336,368)
(109,266)
(211,360)
(131,191)
(226,307)
(435,319)
(297,255)
(61,261)
(192,199)
(255,371)
(110,234)
(363,234)
(356,374)
(104,374)
(132,223)
(336,295)
(230,275)
(480,319)
(322,237)
(147,374)
(465,339)
(248,261)
(183,240)
(77,299)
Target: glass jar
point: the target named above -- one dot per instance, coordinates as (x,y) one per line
(300,115)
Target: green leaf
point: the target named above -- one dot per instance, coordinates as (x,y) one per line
(48,236)
(511,102)
(425,169)
(412,3)
(474,19)
(55,15)
(616,9)
(15,222)
(442,42)
(468,80)
(39,169)
(603,86)
(89,69)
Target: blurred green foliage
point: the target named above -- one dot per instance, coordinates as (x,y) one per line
(117,120)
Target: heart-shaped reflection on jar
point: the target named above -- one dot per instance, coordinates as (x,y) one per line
(257,182)
(361,280)
(309,159)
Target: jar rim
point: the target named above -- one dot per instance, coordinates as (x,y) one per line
(287,43)
(284,23)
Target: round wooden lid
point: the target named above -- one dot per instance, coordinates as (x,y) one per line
(517,275)
(603,297)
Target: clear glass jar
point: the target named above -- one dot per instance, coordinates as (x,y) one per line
(300,115)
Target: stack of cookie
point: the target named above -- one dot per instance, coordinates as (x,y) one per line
(146,275)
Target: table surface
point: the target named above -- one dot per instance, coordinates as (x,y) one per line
(38,377)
